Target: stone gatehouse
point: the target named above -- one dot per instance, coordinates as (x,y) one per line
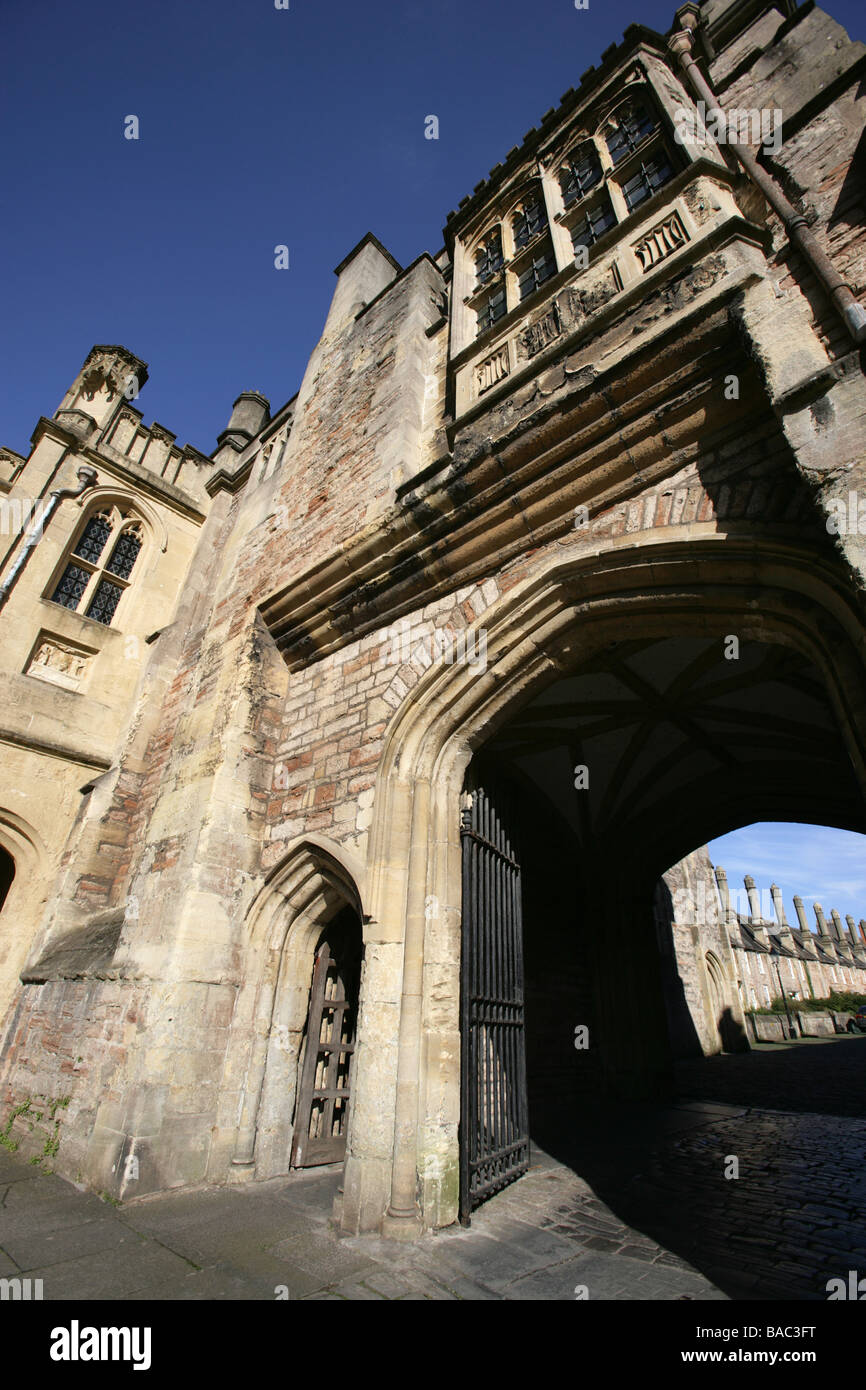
(341,764)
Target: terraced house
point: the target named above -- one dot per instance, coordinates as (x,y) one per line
(341,764)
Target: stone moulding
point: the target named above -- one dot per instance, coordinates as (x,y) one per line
(435,528)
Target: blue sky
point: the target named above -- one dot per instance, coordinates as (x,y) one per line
(261,127)
(816,862)
(258,127)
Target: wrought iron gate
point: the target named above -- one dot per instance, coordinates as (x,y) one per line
(494,1119)
(323,1092)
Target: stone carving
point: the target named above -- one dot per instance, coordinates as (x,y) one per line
(492,369)
(59,663)
(101,372)
(662,241)
(538,334)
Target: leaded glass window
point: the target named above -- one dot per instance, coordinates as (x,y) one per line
(630,127)
(71,586)
(492,309)
(540,268)
(581,172)
(529,221)
(595,222)
(104,602)
(651,175)
(93,538)
(488,258)
(84,586)
(124,554)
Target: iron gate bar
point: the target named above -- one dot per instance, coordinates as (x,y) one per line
(494,1139)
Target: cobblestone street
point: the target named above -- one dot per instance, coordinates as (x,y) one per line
(638,1208)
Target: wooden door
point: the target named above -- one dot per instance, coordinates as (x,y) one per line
(323,1094)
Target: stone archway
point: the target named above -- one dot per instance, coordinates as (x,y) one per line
(312,884)
(26,888)
(703,585)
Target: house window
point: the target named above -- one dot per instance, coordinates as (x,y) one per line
(488,258)
(493,308)
(595,222)
(100,565)
(649,176)
(528,221)
(630,125)
(580,172)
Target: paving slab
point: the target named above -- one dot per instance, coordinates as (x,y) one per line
(125,1271)
(41,1249)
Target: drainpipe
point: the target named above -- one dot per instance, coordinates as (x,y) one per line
(836,288)
(87,478)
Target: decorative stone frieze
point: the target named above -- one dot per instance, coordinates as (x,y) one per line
(538,334)
(665,238)
(59,662)
(492,369)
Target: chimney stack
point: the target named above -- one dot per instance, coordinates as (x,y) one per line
(724,895)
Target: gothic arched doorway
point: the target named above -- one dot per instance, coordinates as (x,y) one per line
(324,1089)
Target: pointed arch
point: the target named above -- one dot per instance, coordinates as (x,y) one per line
(701,582)
(106,496)
(313,881)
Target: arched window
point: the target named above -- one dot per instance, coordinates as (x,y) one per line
(638,153)
(628,128)
(99,565)
(580,173)
(488,257)
(529,219)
